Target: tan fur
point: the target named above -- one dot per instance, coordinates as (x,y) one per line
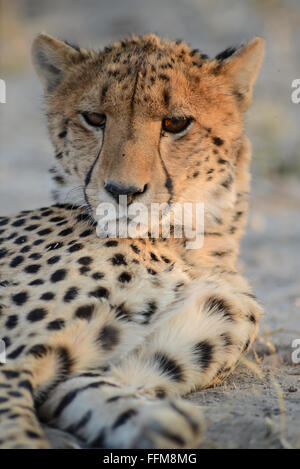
(99,329)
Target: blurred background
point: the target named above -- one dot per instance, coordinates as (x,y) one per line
(271,248)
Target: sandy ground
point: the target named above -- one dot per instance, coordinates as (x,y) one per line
(254,408)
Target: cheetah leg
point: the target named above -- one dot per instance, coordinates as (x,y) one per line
(20,427)
(82,345)
(192,349)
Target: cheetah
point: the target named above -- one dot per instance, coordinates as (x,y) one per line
(105,336)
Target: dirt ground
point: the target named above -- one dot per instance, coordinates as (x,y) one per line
(259,406)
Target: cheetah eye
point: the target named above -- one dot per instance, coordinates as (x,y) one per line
(94,119)
(176,125)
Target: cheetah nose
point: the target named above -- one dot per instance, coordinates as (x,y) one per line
(115,190)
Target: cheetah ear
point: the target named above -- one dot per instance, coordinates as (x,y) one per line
(241,67)
(52,58)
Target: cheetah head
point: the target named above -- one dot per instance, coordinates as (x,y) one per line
(147,118)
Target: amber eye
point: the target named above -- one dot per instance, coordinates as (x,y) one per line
(175,125)
(94,119)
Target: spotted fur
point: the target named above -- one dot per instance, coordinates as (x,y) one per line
(104,336)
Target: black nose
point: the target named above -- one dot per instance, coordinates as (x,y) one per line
(131,191)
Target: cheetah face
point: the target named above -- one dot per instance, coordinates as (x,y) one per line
(147,118)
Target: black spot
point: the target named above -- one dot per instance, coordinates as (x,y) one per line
(84,312)
(15,394)
(71,294)
(15,353)
(83,270)
(62,134)
(56,325)
(4,221)
(227,339)
(218,305)
(32,435)
(150,310)
(226,53)
(25,249)
(47,296)
(204,353)
(151,271)
(125,277)
(98,275)
(32,269)
(65,232)
(36,314)
(164,77)
(83,217)
(100,292)
(135,248)
(165,259)
(104,91)
(59,179)
(20,298)
(10,374)
(16,261)
(56,219)
(85,260)
(99,440)
(26,384)
(11,236)
(220,253)
(35,256)
(227,183)
(58,275)
(46,213)
(21,240)
(169,366)
(237,215)
(38,281)
(7,341)
(52,246)
(252,318)
(53,260)
(124,417)
(118,259)
(19,222)
(31,227)
(222,161)
(85,233)
(75,247)
(217,141)
(73,428)
(38,242)
(154,257)
(111,243)
(44,232)
(12,321)
(109,337)
(38,350)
